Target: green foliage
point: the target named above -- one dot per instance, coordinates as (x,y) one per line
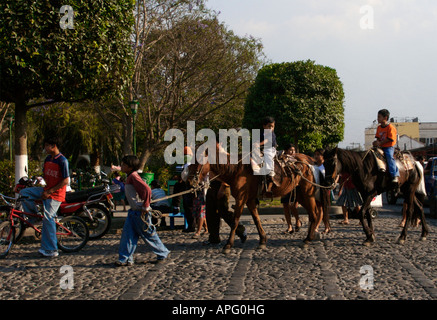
(305,99)
(39,59)
(7,175)
(80,128)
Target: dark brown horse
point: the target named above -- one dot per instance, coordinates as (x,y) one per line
(245,189)
(362,167)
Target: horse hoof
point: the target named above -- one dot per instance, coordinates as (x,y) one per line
(305,245)
(262,247)
(401,241)
(226,250)
(367,243)
(423,239)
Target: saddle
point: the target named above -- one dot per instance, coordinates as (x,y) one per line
(283,166)
(404,159)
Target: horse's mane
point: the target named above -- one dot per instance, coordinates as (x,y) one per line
(355,162)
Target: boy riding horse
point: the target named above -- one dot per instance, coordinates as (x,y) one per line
(386,137)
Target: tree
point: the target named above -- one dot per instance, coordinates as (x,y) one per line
(149,15)
(5,111)
(41,63)
(306,100)
(191,67)
(80,128)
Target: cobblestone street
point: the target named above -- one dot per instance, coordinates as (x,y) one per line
(328,269)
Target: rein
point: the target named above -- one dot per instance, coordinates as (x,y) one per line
(299,172)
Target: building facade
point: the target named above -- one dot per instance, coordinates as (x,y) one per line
(411,134)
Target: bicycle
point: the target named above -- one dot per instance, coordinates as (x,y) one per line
(72,232)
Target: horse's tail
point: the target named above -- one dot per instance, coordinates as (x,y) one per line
(421,187)
(325,197)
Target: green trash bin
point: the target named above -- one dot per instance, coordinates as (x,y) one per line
(148,177)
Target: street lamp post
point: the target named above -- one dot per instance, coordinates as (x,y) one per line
(10,119)
(134,108)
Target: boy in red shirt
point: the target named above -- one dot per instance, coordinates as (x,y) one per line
(386,137)
(56,176)
(134,227)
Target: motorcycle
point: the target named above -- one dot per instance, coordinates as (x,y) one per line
(94,205)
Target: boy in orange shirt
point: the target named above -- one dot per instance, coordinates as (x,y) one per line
(386,137)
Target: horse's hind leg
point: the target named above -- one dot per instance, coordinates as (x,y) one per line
(418,210)
(251,205)
(237,214)
(410,209)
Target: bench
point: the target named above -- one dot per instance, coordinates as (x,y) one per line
(172,216)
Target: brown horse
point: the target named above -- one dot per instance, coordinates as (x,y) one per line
(363,168)
(245,189)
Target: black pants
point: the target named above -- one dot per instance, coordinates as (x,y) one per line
(219,208)
(187,201)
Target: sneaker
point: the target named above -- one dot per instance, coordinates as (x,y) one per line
(48,253)
(123,264)
(161,260)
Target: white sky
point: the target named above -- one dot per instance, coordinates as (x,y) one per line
(392,66)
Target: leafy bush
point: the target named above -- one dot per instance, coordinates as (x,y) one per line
(7,175)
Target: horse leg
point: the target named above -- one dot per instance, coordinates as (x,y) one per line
(251,205)
(409,213)
(368,230)
(409,191)
(369,219)
(418,212)
(425,230)
(313,216)
(237,214)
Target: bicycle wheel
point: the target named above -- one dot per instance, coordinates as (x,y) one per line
(72,233)
(7,233)
(18,226)
(4,213)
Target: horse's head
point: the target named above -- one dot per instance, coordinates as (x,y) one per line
(332,166)
(195,173)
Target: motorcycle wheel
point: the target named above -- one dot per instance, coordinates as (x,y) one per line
(100,223)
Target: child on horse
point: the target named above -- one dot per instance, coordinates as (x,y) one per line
(386,137)
(269,149)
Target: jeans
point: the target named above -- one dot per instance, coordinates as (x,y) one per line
(391,162)
(49,241)
(134,229)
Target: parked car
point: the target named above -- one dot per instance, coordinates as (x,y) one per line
(431,185)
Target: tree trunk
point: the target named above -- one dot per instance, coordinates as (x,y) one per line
(21,159)
(145,155)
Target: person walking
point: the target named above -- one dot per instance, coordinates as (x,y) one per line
(134,227)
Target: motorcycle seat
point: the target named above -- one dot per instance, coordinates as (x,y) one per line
(83,195)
